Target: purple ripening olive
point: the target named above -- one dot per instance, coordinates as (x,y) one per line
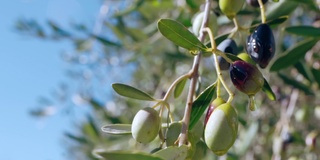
(255,3)
(261,45)
(246,77)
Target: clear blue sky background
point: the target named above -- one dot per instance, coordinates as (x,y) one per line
(31,68)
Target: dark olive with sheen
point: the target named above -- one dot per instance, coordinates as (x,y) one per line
(227,46)
(255,3)
(261,45)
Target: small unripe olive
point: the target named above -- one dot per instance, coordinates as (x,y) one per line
(231,7)
(215,103)
(145,125)
(245,57)
(221,129)
(198,19)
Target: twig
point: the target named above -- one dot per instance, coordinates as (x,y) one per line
(183,138)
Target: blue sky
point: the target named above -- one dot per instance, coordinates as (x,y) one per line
(31,68)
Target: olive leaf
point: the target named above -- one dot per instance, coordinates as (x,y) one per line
(201,104)
(307,31)
(173,153)
(117,129)
(179,87)
(180,35)
(105,41)
(282,8)
(304,70)
(316,75)
(293,55)
(124,155)
(296,84)
(268,91)
(131,92)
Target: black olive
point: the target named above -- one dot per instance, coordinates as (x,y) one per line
(227,46)
(261,45)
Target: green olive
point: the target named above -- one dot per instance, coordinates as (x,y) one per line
(197,22)
(221,129)
(146,125)
(231,7)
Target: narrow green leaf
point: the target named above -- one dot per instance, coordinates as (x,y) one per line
(304,70)
(105,41)
(118,129)
(173,153)
(282,8)
(179,35)
(268,91)
(307,31)
(296,84)
(201,104)
(81,140)
(131,92)
(125,155)
(316,75)
(293,55)
(179,87)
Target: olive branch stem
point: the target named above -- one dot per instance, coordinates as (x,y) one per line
(262,11)
(183,137)
(217,66)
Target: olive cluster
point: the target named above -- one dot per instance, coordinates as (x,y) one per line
(221,121)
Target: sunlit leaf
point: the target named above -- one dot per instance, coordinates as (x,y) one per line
(307,31)
(179,87)
(173,153)
(180,35)
(293,55)
(201,104)
(267,89)
(296,84)
(131,92)
(125,155)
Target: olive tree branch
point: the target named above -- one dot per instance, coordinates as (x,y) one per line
(183,138)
